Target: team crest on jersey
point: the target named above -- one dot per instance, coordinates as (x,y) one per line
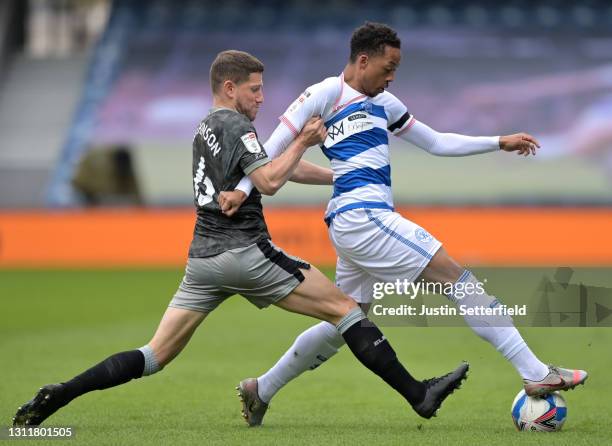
(422,235)
(354,123)
(335,131)
(250,142)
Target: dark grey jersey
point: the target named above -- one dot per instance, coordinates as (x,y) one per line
(225,149)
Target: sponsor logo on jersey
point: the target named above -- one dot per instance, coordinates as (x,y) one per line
(298,102)
(357,116)
(354,123)
(250,142)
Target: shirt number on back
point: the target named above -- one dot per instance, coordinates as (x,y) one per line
(209,189)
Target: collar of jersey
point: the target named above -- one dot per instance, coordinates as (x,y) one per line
(337,107)
(216,109)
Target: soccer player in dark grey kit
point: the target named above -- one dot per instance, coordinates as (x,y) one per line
(234,255)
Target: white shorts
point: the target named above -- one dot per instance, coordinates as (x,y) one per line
(378,245)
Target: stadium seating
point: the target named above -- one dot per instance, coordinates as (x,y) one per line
(147,77)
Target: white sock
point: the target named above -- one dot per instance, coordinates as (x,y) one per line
(528,365)
(310,349)
(499,331)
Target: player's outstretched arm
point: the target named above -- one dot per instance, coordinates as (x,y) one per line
(453,144)
(305,173)
(271,177)
(309,173)
(309,104)
(230,201)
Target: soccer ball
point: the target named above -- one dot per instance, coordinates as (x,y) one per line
(542,414)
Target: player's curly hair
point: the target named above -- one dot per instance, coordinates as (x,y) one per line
(233,65)
(371,39)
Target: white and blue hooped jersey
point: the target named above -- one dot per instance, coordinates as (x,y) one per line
(357,143)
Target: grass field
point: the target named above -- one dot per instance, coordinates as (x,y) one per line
(54,324)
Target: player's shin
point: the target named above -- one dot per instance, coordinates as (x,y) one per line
(498,330)
(310,349)
(115,370)
(373,350)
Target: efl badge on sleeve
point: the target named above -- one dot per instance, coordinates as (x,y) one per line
(251,143)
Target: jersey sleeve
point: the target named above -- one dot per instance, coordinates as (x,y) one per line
(449,144)
(249,150)
(316,100)
(399,118)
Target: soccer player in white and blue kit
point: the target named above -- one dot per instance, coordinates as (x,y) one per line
(373,242)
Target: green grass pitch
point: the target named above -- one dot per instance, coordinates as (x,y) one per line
(54,324)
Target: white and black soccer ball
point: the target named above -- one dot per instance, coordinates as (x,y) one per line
(540,414)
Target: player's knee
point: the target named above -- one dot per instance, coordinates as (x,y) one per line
(442,268)
(341,305)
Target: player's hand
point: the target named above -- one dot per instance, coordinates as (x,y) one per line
(313,133)
(523,143)
(230,201)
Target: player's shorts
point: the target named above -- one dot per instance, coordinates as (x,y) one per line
(261,272)
(378,245)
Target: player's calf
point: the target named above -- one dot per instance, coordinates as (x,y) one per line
(316,296)
(499,330)
(173,333)
(372,349)
(113,371)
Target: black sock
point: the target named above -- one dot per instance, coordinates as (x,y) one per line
(373,350)
(114,370)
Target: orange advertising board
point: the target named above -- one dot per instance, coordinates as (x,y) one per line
(160,237)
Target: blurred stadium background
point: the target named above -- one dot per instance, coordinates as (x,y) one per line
(99,101)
